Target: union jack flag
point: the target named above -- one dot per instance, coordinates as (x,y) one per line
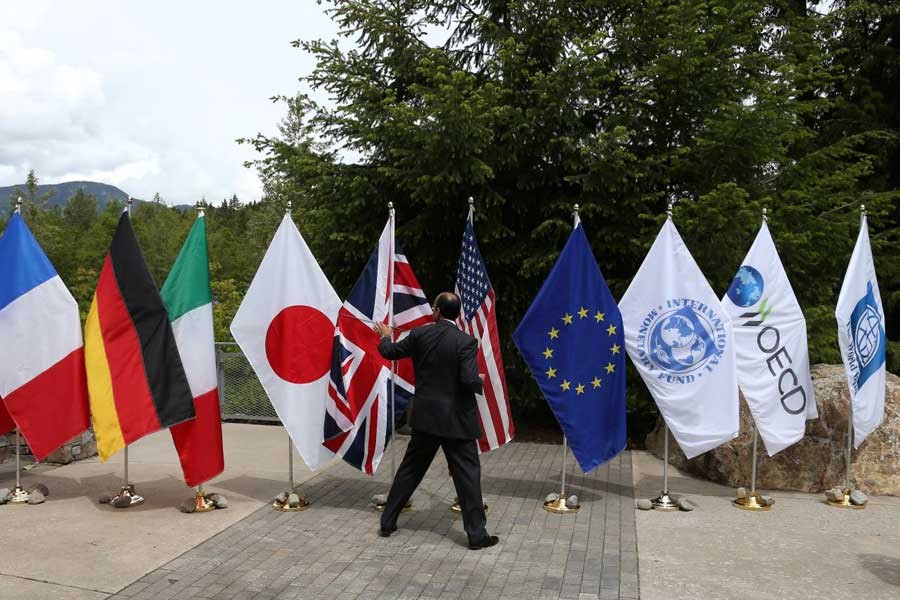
(357,418)
(478,318)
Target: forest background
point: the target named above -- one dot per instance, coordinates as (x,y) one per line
(722,107)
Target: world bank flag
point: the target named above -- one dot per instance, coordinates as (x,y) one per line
(571,338)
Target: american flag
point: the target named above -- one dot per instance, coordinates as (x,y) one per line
(479,319)
(357,418)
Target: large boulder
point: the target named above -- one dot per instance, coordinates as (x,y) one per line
(817,462)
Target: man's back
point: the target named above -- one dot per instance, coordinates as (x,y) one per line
(446,369)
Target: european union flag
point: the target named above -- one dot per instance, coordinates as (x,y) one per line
(572,340)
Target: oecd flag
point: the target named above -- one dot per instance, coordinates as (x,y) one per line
(681,342)
(770,341)
(571,339)
(861,337)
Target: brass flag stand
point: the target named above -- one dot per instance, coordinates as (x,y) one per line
(380,500)
(559,506)
(664,502)
(282,502)
(18,495)
(752,501)
(847,489)
(126,497)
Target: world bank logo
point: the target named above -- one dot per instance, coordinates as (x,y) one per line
(867,338)
(682,339)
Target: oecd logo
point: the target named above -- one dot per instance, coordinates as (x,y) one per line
(866,354)
(682,340)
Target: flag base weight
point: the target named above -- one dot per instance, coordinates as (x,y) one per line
(665,503)
(17,496)
(285,506)
(845,502)
(127,491)
(559,507)
(455,507)
(751,503)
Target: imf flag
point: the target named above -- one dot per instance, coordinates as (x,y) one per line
(571,339)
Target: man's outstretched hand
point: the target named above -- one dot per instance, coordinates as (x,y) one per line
(382,330)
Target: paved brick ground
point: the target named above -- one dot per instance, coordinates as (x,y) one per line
(332,549)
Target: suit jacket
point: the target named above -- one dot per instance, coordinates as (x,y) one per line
(446,367)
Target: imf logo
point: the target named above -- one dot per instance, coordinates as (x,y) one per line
(682,340)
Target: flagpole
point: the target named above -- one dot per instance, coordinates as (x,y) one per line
(391,325)
(845,501)
(126,496)
(752,501)
(18,495)
(290,501)
(201,502)
(456,507)
(560,505)
(664,502)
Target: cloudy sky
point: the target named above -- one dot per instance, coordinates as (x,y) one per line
(147,96)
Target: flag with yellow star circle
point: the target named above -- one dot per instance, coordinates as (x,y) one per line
(572,341)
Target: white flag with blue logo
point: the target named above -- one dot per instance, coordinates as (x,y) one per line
(680,340)
(771,348)
(861,327)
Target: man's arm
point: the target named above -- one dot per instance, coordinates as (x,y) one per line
(393,350)
(468,367)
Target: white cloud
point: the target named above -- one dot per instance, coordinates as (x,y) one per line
(126,94)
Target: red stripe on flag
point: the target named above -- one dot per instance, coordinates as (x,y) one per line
(491,399)
(199,441)
(6,422)
(52,408)
(494,336)
(135,410)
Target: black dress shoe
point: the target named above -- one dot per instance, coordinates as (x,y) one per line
(491,540)
(382,532)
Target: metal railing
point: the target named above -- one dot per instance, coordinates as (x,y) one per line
(241,395)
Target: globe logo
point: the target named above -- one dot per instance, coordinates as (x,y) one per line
(746,288)
(680,341)
(866,330)
(867,336)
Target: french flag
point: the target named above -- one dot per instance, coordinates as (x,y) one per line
(42,376)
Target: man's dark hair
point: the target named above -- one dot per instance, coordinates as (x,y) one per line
(448,303)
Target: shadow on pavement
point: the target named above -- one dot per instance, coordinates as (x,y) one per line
(885,568)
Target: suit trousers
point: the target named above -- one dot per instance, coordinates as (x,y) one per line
(465,469)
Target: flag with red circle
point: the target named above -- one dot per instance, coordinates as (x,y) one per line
(285,326)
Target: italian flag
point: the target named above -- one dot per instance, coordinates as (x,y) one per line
(188,300)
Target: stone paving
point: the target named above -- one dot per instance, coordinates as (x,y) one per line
(332,550)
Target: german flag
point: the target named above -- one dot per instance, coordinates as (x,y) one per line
(136,380)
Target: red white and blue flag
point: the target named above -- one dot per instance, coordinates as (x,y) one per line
(42,376)
(479,319)
(358,424)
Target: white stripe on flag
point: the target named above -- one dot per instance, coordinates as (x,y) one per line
(30,342)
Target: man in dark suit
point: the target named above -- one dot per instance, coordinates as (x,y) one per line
(444,415)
